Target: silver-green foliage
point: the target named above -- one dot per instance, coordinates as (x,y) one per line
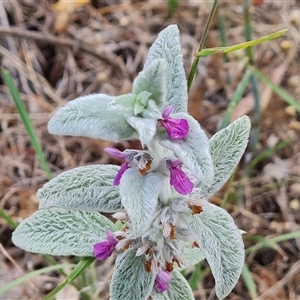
(178,289)
(167,46)
(221,242)
(68,222)
(130,281)
(226,147)
(83,188)
(87,116)
(59,231)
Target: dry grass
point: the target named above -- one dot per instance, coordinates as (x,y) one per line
(58,53)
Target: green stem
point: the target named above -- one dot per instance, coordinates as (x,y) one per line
(248,30)
(26,121)
(201,44)
(255,122)
(238,93)
(8,219)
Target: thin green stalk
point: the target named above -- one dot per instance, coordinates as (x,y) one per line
(26,121)
(196,275)
(235,99)
(254,136)
(8,219)
(228,191)
(223,50)
(78,270)
(31,275)
(248,30)
(201,44)
(93,276)
(250,284)
(265,154)
(272,242)
(223,37)
(276,89)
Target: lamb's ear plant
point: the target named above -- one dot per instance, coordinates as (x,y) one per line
(159,193)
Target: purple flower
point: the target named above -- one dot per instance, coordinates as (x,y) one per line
(106,248)
(161,281)
(178,179)
(124,166)
(176,128)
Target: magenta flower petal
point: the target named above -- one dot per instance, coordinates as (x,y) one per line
(176,128)
(178,179)
(162,279)
(105,249)
(124,167)
(114,152)
(167,111)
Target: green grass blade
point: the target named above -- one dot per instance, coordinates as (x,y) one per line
(172,4)
(8,219)
(195,277)
(277,89)
(26,121)
(250,284)
(264,155)
(223,50)
(79,269)
(235,99)
(31,275)
(201,45)
(273,242)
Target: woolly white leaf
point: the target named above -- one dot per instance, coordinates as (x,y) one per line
(84,188)
(226,147)
(167,46)
(222,244)
(123,103)
(58,231)
(153,80)
(130,281)
(145,127)
(178,289)
(139,196)
(193,150)
(191,255)
(90,116)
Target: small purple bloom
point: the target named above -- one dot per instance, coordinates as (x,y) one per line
(176,128)
(162,279)
(106,248)
(124,166)
(178,179)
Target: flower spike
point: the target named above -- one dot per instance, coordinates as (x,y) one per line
(105,249)
(179,180)
(162,279)
(176,128)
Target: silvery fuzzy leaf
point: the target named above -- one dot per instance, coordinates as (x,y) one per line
(226,147)
(90,116)
(178,289)
(191,255)
(221,242)
(146,127)
(123,103)
(167,46)
(193,150)
(84,188)
(130,281)
(139,196)
(153,80)
(59,231)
